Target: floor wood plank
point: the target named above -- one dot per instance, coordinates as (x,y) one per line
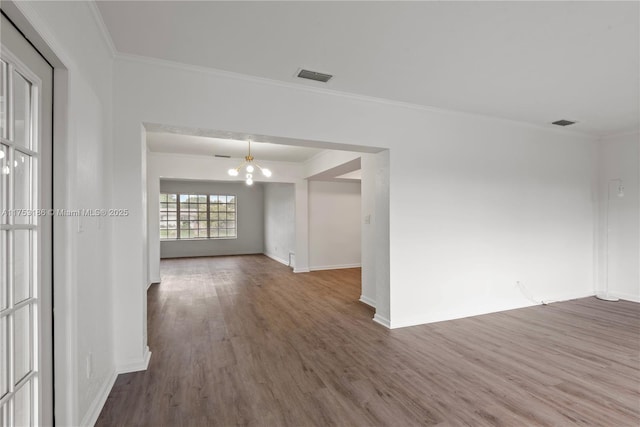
(243,341)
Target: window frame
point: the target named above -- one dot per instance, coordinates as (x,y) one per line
(164,210)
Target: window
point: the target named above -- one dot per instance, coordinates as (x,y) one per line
(168,216)
(222,216)
(197,216)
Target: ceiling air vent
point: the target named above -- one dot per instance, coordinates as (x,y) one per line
(313,75)
(221,156)
(563,122)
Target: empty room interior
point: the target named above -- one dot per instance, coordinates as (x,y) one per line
(309,213)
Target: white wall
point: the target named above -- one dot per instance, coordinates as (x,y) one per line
(250,220)
(279,221)
(492,205)
(334,225)
(476,203)
(620,159)
(83,176)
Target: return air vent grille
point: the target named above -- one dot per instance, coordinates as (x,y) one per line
(222,156)
(314,75)
(563,122)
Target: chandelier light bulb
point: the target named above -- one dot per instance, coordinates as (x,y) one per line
(5,170)
(248,167)
(1,154)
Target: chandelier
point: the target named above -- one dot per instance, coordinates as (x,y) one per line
(249,166)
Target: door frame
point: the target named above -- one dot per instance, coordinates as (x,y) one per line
(41,280)
(35,30)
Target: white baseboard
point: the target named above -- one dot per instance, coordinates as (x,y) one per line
(136,365)
(444,316)
(277,258)
(96,406)
(382,321)
(334,267)
(626,297)
(92,414)
(368,301)
(301,270)
(567,297)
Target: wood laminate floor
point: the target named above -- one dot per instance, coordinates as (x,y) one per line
(243,341)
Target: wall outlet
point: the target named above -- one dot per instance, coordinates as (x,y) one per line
(367,219)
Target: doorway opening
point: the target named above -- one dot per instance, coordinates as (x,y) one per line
(336,199)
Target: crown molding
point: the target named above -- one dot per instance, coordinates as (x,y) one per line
(102,27)
(157,62)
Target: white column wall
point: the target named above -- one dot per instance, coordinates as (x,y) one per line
(367,221)
(383,243)
(301,264)
(279,221)
(620,249)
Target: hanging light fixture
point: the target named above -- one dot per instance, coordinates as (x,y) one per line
(249,166)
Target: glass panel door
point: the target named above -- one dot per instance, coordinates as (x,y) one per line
(19,156)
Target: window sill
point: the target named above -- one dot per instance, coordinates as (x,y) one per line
(198,239)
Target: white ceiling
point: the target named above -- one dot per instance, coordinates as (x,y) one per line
(529,61)
(162,142)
